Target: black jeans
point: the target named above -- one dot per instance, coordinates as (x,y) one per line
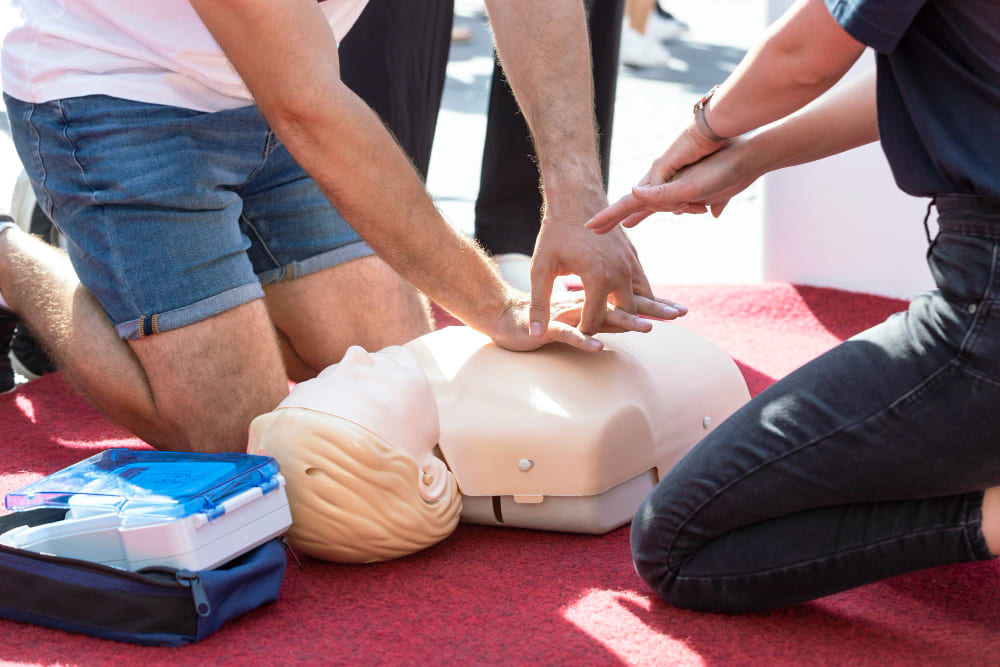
(868,462)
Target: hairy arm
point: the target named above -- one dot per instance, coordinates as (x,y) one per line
(545,52)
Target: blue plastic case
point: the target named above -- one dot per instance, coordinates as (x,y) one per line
(139,509)
(150,483)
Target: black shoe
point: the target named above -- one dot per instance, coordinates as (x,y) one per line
(8,320)
(26,355)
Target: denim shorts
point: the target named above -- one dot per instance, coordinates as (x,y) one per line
(174,215)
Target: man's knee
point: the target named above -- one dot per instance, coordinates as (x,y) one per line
(209,431)
(398,303)
(208,380)
(363,302)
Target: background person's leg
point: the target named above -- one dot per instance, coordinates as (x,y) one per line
(394,58)
(192,388)
(867,462)
(508,208)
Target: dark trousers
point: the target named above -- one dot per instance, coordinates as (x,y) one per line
(395,59)
(508,209)
(868,462)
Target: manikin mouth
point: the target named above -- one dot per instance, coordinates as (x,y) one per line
(433,480)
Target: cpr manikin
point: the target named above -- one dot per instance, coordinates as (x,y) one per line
(384,452)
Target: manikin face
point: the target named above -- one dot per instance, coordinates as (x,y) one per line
(387,393)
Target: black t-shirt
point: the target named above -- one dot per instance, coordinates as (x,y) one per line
(938,89)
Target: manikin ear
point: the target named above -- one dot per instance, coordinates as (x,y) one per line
(354,498)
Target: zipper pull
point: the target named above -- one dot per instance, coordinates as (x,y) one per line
(288,548)
(189,579)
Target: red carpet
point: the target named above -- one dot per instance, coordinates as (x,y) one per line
(491,595)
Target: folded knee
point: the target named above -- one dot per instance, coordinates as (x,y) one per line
(652,539)
(665,554)
(664,539)
(205,433)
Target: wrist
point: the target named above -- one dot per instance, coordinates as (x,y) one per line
(493,317)
(760,154)
(701,124)
(703,127)
(567,200)
(491,302)
(704,144)
(568,178)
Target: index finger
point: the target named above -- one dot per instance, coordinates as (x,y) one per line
(604,221)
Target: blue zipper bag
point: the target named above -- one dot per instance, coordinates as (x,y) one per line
(156,605)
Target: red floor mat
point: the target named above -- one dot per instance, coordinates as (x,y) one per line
(490,595)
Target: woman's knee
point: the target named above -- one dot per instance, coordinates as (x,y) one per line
(655,529)
(658,560)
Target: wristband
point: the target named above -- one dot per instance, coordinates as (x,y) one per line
(701,121)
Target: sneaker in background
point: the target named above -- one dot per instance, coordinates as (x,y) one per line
(27,357)
(638,50)
(8,320)
(665,26)
(515,268)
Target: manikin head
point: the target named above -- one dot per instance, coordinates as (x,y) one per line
(355,446)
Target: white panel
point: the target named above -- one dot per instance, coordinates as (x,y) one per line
(842,222)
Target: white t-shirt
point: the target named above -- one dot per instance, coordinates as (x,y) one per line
(155,51)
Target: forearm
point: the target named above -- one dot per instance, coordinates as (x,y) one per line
(365,174)
(802,56)
(342,144)
(545,52)
(843,119)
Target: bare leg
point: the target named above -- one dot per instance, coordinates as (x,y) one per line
(194,388)
(638,12)
(362,302)
(991,519)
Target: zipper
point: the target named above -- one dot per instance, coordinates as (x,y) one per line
(288,547)
(72,571)
(190,579)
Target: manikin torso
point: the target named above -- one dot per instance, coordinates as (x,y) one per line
(528,436)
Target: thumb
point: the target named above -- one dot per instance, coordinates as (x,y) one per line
(542,277)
